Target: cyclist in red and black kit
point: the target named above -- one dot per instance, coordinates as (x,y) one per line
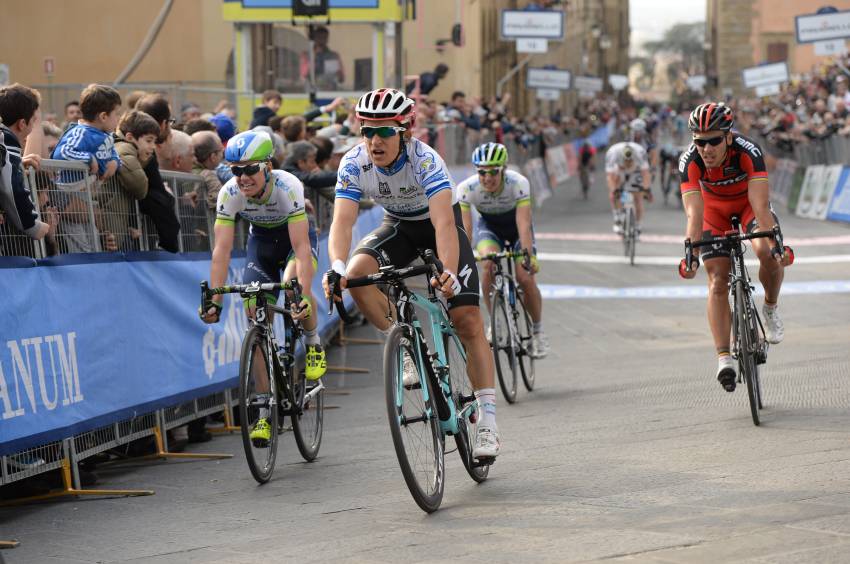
(723,174)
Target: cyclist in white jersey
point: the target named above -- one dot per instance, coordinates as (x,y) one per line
(502,199)
(272,202)
(410,181)
(623,163)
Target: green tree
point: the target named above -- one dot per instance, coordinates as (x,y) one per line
(685,42)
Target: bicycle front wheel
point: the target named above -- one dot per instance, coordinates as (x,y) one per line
(307,411)
(504,350)
(255,401)
(525,334)
(746,351)
(631,236)
(464,399)
(414,423)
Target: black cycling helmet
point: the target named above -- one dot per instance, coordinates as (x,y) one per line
(711,117)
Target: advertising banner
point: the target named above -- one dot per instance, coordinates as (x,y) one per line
(541,24)
(91,339)
(823,26)
(839,208)
(811,184)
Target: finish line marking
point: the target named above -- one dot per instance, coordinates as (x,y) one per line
(690,291)
(671,261)
(679,239)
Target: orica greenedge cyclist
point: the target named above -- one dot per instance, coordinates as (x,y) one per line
(272,201)
(502,199)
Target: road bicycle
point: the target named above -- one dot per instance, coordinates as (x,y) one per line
(441,403)
(287,393)
(749,346)
(511,328)
(626,195)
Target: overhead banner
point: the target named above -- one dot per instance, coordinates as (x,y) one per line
(822,27)
(111,336)
(539,24)
(830,48)
(765,75)
(547,79)
(548,94)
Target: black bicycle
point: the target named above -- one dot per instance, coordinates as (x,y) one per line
(288,393)
(511,328)
(749,344)
(626,195)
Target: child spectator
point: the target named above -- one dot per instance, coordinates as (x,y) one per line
(89,141)
(271,104)
(135,141)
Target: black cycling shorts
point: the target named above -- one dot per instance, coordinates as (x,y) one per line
(719,250)
(398,242)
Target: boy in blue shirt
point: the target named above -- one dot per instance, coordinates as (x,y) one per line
(89,141)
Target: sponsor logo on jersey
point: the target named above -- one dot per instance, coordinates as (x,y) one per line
(407,190)
(428,163)
(749,146)
(367,167)
(383,188)
(683,160)
(352,169)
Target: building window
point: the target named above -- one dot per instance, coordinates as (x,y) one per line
(777,52)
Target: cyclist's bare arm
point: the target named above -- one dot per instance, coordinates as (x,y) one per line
(221,256)
(466,215)
(758,193)
(339,238)
(613,181)
(300,237)
(443,219)
(523,225)
(692,202)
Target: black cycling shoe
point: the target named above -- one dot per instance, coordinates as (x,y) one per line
(727,379)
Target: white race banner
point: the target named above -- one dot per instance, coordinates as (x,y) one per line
(548,94)
(824,196)
(542,24)
(809,190)
(767,90)
(551,79)
(774,73)
(822,27)
(531,45)
(588,84)
(618,81)
(827,48)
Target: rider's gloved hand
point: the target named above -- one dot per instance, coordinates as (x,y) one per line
(338,267)
(447,283)
(684,272)
(210,312)
(304,310)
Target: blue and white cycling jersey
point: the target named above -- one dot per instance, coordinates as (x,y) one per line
(404,190)
(283,205)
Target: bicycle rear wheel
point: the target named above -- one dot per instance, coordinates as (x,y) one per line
(631,236)
(504,348)
(463,396)
(254,361)
(525,334)
(307,411)
(746,351)
(414,424)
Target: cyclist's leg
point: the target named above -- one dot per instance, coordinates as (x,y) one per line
(385,246)
(639,208)
(488,242)
(717,264)
(771,272)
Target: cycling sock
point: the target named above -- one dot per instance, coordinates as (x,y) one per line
(723,352)
(312,337)
(264,411)
(770,306)
(537,327)
(487,403)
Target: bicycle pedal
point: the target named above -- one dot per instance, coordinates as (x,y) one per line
(483,461)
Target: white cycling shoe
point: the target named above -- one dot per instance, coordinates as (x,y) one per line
(539,345)
(774,329)
(487,442)
(726,373)
(410,376)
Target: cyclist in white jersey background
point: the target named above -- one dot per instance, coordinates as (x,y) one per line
(272,201)
(502,199)
(623,163)
(411,182)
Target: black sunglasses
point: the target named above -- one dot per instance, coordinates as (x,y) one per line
(489,171)
(714,141)
(384,132)
(249,170)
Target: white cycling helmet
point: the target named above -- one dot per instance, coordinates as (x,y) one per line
(637,124)
(386,103)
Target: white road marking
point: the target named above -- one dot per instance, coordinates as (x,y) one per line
(679,239)
(671,261)
(682,291)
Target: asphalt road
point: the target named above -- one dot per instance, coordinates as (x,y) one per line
(627,451)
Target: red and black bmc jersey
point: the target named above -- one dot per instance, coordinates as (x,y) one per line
(744,162)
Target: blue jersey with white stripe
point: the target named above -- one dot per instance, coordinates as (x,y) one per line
(83,143)
(402,190)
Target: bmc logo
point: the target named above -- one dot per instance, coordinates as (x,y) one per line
(42,373)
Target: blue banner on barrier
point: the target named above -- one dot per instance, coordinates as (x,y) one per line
(87,340)
(839,208)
